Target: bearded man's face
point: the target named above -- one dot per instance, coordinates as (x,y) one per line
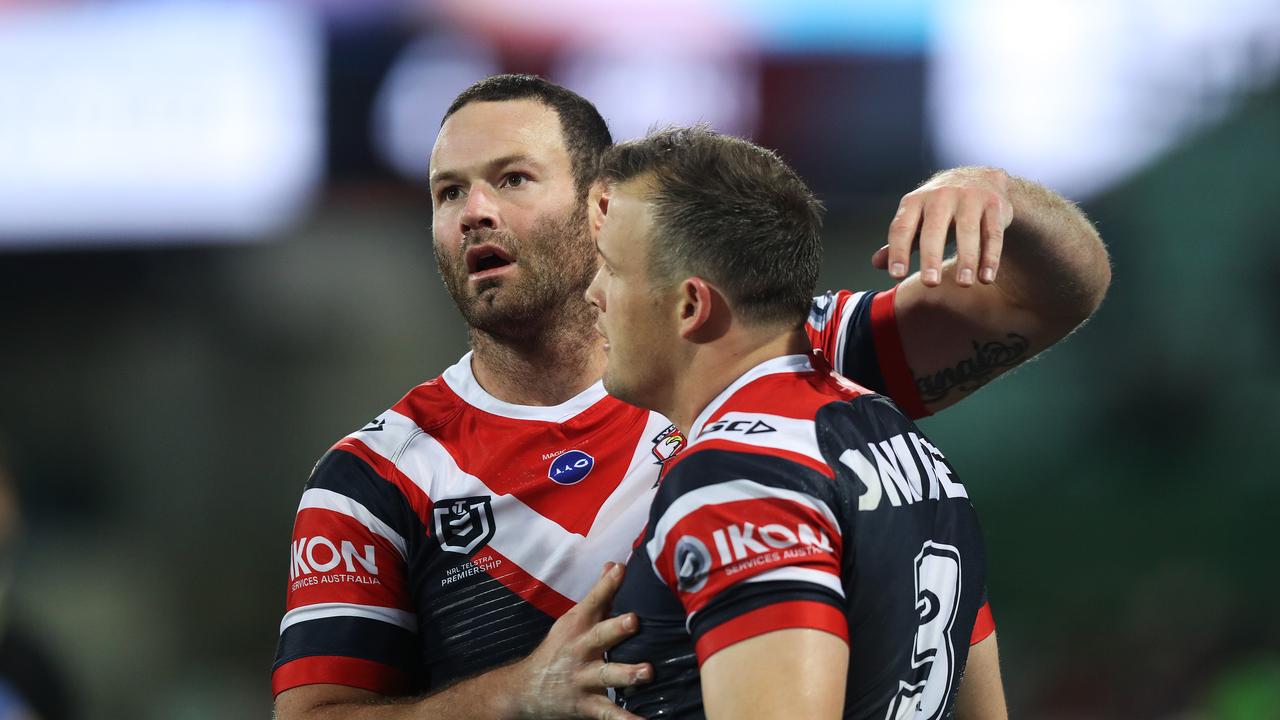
(509,227)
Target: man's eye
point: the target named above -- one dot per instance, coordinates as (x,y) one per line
(515,180)
(453,192)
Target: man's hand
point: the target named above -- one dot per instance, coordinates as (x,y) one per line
(566,675)
(972,202)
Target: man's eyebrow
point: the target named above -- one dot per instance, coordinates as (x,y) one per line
(490,166)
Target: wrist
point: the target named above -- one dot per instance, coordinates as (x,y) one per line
(508,691)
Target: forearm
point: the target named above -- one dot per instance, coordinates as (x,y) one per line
(1054,263)
(488,696)
(1050,273)
(981,694)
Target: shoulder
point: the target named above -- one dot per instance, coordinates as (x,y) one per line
(753,451)
(723,477)
(865,418)
(835,306)
(871,440)
(367,462)
(429,405)
(776,415)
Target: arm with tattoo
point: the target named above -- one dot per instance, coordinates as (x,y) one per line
(1028,269)
(988,359)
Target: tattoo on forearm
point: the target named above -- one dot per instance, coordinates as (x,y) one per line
(972,373)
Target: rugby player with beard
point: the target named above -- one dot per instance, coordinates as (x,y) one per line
(446,558)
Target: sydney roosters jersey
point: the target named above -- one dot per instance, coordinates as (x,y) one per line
(804,501)
(444,537)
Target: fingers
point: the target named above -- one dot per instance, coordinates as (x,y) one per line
(599,707)
(975,203)
(992,246)
(902,236)
(939,211)
(880,260)
(968,241)
(607,633)
(603,675)
(978,217)
(600,597)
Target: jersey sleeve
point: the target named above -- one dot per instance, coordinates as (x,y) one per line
(858,333)
(748,544)
(349,618)
(983,625)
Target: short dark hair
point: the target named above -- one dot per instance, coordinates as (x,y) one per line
(728,211)
(586,135)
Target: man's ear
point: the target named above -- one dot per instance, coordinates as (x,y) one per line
(597,204)
(703,313)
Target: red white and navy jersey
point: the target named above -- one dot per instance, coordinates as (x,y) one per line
(857,333)
(805,501)
(444,537)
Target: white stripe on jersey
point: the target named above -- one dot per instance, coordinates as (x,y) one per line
(837,362)
(797,436)
(773,366)
(541,547)
(725,492)
(809,575)
(329,500)
(319,611)
(388,434)
(624,512)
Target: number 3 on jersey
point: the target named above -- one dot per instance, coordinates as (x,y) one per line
(923,695)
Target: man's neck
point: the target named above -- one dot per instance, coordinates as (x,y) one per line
(715,366)
(548,369)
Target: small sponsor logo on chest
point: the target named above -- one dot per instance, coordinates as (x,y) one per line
(570,467)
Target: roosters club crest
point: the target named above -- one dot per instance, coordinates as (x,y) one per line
(667,444)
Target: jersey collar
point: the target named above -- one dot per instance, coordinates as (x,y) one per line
(772,366)
(462,381)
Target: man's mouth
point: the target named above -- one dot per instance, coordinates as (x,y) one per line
(487,260)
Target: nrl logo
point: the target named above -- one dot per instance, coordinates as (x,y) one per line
(667,444)
(464,524)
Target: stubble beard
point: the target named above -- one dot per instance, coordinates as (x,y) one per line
(615,386)
(556,263)
(631,377)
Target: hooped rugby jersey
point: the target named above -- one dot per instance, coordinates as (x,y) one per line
(805,501)
(444,537)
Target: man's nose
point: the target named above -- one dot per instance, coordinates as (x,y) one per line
(593,292)
(481,210)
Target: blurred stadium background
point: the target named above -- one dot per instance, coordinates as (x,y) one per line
(215,261)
